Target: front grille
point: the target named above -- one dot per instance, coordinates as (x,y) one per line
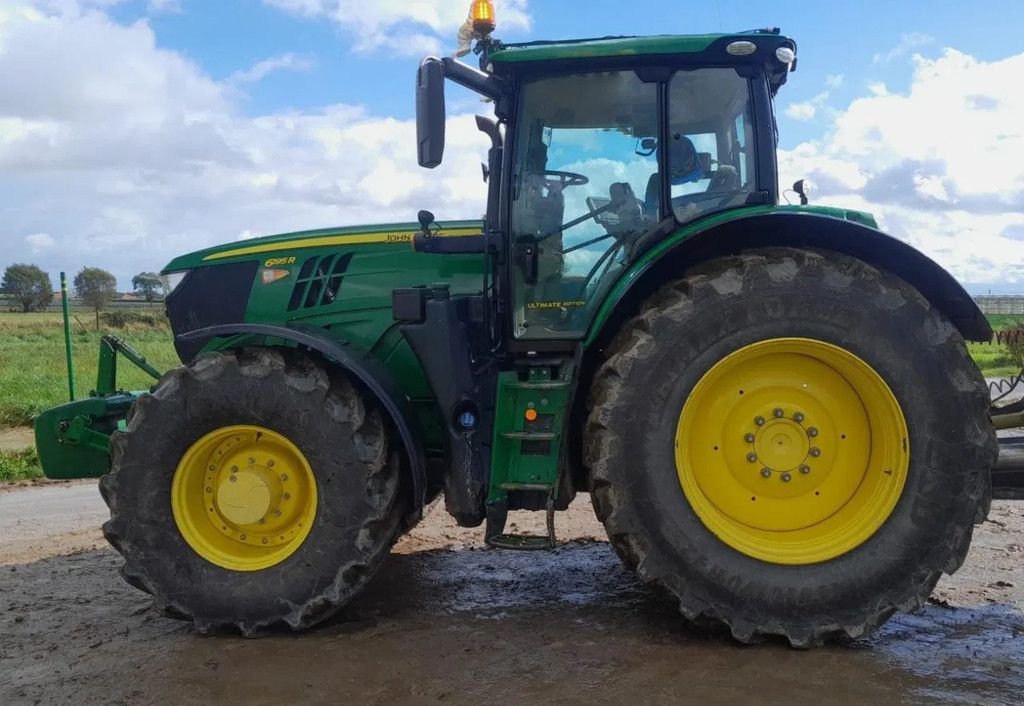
(209,296)
(319,280)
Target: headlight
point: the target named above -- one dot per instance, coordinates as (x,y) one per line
(171,280)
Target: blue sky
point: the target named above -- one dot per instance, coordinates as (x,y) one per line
(133,130)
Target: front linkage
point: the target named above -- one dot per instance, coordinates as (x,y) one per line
(73,439)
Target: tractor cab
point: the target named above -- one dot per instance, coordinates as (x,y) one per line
(601,149)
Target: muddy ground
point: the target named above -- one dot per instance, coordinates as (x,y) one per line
(448,621)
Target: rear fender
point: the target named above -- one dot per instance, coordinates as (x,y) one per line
(373,376)
(797,228)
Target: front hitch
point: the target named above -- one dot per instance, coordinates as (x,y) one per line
(73,439)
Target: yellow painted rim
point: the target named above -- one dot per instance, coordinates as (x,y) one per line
(792,451)
(244,498)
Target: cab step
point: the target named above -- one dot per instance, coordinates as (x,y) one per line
(495,537)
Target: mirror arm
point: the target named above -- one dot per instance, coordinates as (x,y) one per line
(485,84)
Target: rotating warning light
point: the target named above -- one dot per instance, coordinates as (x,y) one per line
(481,14)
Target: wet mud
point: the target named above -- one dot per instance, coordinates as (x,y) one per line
(447,621)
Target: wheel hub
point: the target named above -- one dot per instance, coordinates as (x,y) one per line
(782,445)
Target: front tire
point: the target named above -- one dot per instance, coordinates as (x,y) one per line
(253,489)
(805,532)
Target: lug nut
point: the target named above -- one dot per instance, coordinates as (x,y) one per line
(277,513)
(798,417)
(777,412)
(265,540)
(287,496)
(270,463)
(786,477)
(752,458)
(233,478)
(234,469)
(805,469)
(209,490)
(766,473)
(815,452)
(812,432)
(759,421)
(749,438)
(284,477)
(252,462)
(242,537)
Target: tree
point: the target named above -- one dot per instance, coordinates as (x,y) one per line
(95,287)
(147,284)
(29,286)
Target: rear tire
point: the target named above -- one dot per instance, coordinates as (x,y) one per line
(653,367)
(357,508)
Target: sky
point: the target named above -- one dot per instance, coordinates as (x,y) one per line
(132,131)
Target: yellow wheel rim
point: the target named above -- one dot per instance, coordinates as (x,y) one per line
(792,451)
(244,498)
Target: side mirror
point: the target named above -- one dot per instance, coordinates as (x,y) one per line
(426,219)
(802,188)
(430,112)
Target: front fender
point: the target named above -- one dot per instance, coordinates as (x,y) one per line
(733,232)
(373,376)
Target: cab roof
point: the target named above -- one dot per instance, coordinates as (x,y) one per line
(710,49)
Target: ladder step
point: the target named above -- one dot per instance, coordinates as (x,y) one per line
(525,486)
(555,385)
(520,542)
(529,435)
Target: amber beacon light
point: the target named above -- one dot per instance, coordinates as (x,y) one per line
(481,14)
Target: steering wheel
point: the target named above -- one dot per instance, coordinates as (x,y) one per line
(565,178)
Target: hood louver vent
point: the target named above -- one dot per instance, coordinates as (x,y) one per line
(319,281)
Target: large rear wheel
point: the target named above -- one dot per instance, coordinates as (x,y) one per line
(792,443)
(253,489)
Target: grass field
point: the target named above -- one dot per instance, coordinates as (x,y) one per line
(33,375)
(19,465)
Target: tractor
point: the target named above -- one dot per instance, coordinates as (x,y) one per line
(771,406)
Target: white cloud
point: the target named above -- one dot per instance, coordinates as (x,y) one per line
(834,81)
(807,110)
(40,242)
(907,43)
(260,70)
(129,168)
(801,111)
(942,164)
(410,28)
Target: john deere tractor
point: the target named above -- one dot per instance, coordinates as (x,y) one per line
(772,406)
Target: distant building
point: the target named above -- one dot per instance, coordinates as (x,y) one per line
(1001,304)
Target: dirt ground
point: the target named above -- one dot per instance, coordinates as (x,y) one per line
(16,439)
(448,621)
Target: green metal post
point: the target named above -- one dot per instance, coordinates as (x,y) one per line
(67,335)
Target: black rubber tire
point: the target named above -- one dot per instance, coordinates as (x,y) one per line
(361,496)
(720,306)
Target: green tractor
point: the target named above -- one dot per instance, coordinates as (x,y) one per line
(771,406)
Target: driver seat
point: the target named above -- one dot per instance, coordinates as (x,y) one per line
(685,166)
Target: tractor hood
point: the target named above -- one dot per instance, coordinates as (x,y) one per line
(396,236)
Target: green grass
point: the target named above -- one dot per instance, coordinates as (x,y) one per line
(995,360)
(33,373)
(19,465)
